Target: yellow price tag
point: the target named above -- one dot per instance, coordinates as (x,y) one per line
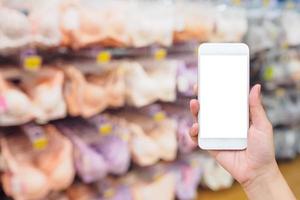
(32,63)
(268,73)
(236,2)
(280,92)
(109,193)
(105,129)
(266,3)
(125,137)
(159,116)
(158,175)
(103,57)
(290,5)
(284,45)
(194,163)
(40,143)
(160,54)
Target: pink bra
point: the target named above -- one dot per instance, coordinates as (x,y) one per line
(31,173)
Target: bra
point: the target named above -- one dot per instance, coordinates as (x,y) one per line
(45,90)
(89,164)
(15,106)
(22,180)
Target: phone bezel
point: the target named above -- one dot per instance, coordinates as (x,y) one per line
(223,49)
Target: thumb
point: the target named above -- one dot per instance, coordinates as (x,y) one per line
(257,113)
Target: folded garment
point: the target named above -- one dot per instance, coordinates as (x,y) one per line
(22,180)
(161,130)
(115,136)
(91,95)
(15,106)
(154,83)
(45,90)
(90,165)
(14,30)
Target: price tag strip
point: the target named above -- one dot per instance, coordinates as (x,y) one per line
(32,63)
(160,54)
(268,73)
(103,57)
(105,129)
(159,116)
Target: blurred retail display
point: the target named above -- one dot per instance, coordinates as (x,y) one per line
(94,94)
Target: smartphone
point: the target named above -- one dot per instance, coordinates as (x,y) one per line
(223,90)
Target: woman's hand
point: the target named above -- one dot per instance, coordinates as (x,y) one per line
(256,165)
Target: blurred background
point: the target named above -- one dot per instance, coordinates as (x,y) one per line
(94,95)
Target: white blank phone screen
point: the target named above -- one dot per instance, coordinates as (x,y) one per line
(223,94)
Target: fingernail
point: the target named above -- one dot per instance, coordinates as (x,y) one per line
(259,89)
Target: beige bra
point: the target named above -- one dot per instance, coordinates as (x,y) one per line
(45,89)
(87,96)
(15,106)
